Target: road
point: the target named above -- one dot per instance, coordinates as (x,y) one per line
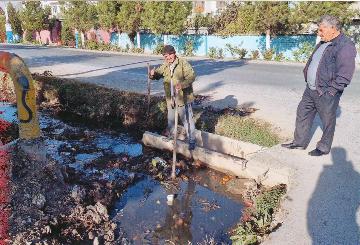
(324,199)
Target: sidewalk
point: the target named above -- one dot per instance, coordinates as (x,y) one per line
(322,203)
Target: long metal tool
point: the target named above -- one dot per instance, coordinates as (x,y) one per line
(173,174)
(148,90)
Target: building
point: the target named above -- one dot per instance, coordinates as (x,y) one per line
(208,7)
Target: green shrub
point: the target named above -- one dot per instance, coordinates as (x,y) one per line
(67,36)
(268,54)
(304,52)
(236,51)
(279,57)
(216,53)
(105,47)
(137,50)
(259,217)
(255,54)
(127,48)
(92,45)
(220,53)
(212,53)
(189,49)
(159,48)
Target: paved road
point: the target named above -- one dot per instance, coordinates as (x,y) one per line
(323,202)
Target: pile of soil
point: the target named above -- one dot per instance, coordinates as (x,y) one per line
(47,209)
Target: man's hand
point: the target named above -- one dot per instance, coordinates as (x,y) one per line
(178,87)
(152,72)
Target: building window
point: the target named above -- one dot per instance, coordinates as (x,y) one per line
(199,7)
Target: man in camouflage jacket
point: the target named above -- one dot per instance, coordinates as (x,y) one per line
(178,78)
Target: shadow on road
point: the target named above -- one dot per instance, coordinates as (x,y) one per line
(106,68)
(135,78)
(331,214)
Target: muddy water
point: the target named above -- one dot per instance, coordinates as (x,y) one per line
(197,212)
(202,208)
(7,112)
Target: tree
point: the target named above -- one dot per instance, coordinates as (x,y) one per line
(272,18)
(2,27)
(237,18)
(226,18)
(199,20)
(166,17)
(34,17)
(14,19)
(310,12)
(81,16)
(129,18)
(107,12)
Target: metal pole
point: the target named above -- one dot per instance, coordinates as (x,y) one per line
(173,174)
(149,89)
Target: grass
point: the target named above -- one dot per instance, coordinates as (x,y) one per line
(247,129)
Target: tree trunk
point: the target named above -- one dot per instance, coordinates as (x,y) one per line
(138,39)
(268,40)
(119,43)
(82,39)
(132,39)
(38,35)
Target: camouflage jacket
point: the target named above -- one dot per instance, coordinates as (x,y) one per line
(183,73)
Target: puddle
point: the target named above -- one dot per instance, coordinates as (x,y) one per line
(197,212)
(8,112)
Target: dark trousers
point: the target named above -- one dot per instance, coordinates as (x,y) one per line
(310,104)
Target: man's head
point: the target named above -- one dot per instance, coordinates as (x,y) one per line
(329,28)
(169,54)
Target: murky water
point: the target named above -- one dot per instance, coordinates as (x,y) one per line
(201,209)
(196,213)
(7,112)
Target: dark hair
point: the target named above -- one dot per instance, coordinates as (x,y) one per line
(168,49)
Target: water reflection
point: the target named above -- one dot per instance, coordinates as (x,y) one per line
(142,212)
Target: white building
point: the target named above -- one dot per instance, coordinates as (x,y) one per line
(208,7)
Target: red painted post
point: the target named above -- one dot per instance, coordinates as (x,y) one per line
(4,188)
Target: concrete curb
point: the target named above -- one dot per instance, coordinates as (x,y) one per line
(267,173)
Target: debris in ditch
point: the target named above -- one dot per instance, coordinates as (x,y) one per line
(225,179)
(207,205)
(158,161)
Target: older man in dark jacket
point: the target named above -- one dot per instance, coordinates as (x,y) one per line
(328,71)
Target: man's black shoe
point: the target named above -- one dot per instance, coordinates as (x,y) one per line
(316,153)
(292,146)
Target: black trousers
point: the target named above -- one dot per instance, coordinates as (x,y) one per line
(310,104)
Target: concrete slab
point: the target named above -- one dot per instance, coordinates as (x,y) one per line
(267,173)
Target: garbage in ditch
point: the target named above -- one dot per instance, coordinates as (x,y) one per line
(104,186)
